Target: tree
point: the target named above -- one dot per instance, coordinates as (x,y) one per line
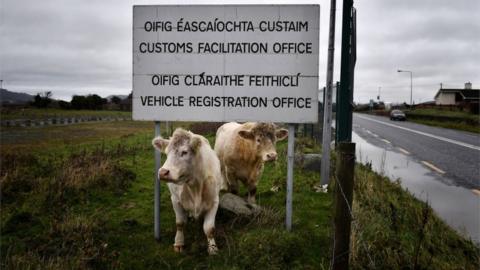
(78,102)
(42,100)
(64,105)
(90,102)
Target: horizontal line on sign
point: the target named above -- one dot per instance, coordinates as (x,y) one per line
(433,167)
(268,99)
(301,76)
(222,54)
(231,32)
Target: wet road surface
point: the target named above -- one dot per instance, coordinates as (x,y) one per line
(403,154)
(455,154)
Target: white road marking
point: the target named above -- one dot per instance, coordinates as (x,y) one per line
(425,134)
(476,191)
(386,141)
(433,167)
(403,151)
(371,133)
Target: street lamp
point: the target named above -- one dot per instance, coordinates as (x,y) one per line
(411,87)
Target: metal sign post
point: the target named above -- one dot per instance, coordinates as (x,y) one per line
(290,160)
(158,161)
(327,101)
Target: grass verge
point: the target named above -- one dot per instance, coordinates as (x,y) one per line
(393,230)
(447,124)
(452,119)
(35,113)
(89,205)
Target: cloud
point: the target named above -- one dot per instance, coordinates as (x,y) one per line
(76,46)
(436,40)
(84,46)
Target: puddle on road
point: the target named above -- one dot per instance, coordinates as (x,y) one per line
(457,206)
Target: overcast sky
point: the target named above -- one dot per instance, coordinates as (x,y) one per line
(84,46)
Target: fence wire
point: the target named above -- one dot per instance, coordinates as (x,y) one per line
(354,222)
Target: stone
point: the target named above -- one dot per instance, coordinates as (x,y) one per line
(237,205)
(312,162)
(309,162)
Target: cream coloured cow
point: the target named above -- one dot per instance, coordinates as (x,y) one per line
(243,149)
(192,173)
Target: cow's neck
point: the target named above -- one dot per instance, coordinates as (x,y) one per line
(193,194)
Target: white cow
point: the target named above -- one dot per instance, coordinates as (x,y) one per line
(192,173)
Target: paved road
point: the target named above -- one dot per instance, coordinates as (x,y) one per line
(450,153)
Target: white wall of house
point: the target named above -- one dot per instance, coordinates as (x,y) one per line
(445,99)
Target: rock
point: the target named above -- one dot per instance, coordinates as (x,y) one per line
(312,162)
(237,205)
(309,162)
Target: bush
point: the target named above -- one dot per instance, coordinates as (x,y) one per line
(42,100)
(90,102)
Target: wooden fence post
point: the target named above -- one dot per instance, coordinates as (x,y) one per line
(343,203)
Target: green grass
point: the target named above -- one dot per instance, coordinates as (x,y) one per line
(393,230)
(88,204)
(70,136)
(34,113)
(448,124)
(453,119)
(446,112)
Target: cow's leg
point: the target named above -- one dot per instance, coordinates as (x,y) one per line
(252,191)
(232,183)
(181,220)
(252,184)
(209,228)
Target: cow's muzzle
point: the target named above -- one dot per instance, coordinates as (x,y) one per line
(164,174)
(270,157)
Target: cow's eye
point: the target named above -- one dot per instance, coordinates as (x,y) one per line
(183,153)
(259,140)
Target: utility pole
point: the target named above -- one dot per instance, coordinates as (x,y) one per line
(345,148)
(411,84)
(327,102)
(348,59)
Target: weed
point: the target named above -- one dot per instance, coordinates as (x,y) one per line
(400,232)
(88,204)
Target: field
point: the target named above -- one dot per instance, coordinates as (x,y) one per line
(33,113)
(81,197)
(445,118)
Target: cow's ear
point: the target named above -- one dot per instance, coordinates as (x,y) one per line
(195,143)
(160,143)
(281,134)
(248,135)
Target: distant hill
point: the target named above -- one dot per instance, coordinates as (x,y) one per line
(9,97)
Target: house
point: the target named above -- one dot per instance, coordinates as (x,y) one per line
(459,97)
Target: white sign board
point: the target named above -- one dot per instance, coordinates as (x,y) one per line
(224,63)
